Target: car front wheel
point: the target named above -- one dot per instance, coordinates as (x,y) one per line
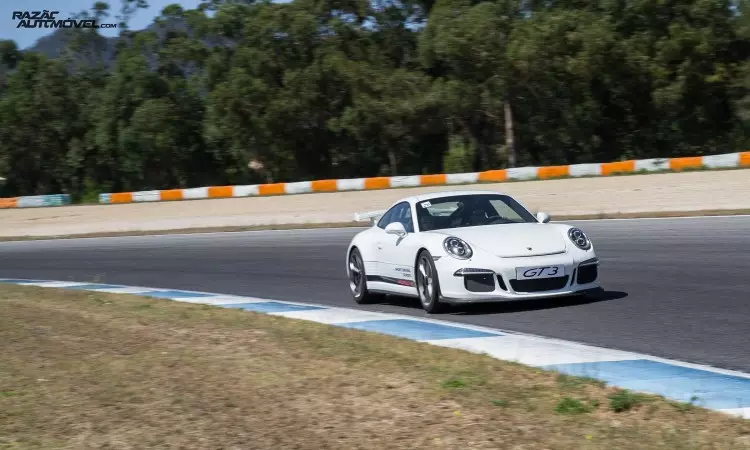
(428,284)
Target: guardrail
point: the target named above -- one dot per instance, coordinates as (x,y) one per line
(728,160)
(35,201)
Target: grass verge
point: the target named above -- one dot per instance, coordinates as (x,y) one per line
(306,226)
(84,370)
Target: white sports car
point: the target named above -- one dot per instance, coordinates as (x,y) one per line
(468,246)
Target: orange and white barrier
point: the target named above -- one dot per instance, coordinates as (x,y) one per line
(730,160)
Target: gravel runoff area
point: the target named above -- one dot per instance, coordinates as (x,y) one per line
(92,370)
(655,193)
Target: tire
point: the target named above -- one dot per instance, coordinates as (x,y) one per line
(358,280)
(428,284)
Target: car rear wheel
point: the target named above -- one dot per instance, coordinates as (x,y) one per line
(428,285)
(358,280)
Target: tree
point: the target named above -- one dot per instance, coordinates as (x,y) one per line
(465,46)
(351,88)
(38,114)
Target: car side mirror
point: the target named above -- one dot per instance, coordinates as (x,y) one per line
(542,217)
(396,228)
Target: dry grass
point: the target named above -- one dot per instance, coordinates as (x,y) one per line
(89,370)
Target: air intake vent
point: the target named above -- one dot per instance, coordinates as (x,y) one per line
(541,285)
(587,274)
(479,283)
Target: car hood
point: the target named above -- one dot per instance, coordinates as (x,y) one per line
(513,239)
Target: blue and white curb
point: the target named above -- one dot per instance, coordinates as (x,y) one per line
(709,387)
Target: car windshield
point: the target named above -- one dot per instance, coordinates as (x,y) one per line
(458,211)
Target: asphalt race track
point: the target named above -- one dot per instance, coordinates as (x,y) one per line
(675,288)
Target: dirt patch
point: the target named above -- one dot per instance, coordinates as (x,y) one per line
(85,370)
(724,190)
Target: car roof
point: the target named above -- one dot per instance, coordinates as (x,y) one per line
(431,195)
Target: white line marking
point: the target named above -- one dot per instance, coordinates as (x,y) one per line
(739,412)
(53,284)
(123,290)
(534,352)
(215,300)
(333,316)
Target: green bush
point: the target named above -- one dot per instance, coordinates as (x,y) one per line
(624,400)
(459,157)
(573,406)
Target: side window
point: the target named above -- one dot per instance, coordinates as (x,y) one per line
(386,219)
(406,218)
(402,213)
(399,213)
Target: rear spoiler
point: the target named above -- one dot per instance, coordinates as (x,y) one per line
(372,215)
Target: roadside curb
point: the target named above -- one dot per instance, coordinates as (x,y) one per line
(708,387)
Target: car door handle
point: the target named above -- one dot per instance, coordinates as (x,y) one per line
(380,246)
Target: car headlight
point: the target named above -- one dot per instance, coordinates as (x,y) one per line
(579,238)
(457,248)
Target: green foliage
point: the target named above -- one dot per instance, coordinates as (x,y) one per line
(577,382)
(90,192)
(685,406)
(458,158)
(309,90)
(453,384)
(571,406)
(624,400)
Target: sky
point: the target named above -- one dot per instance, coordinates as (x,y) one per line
(26,37)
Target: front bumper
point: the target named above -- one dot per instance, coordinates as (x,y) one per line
(494,279)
